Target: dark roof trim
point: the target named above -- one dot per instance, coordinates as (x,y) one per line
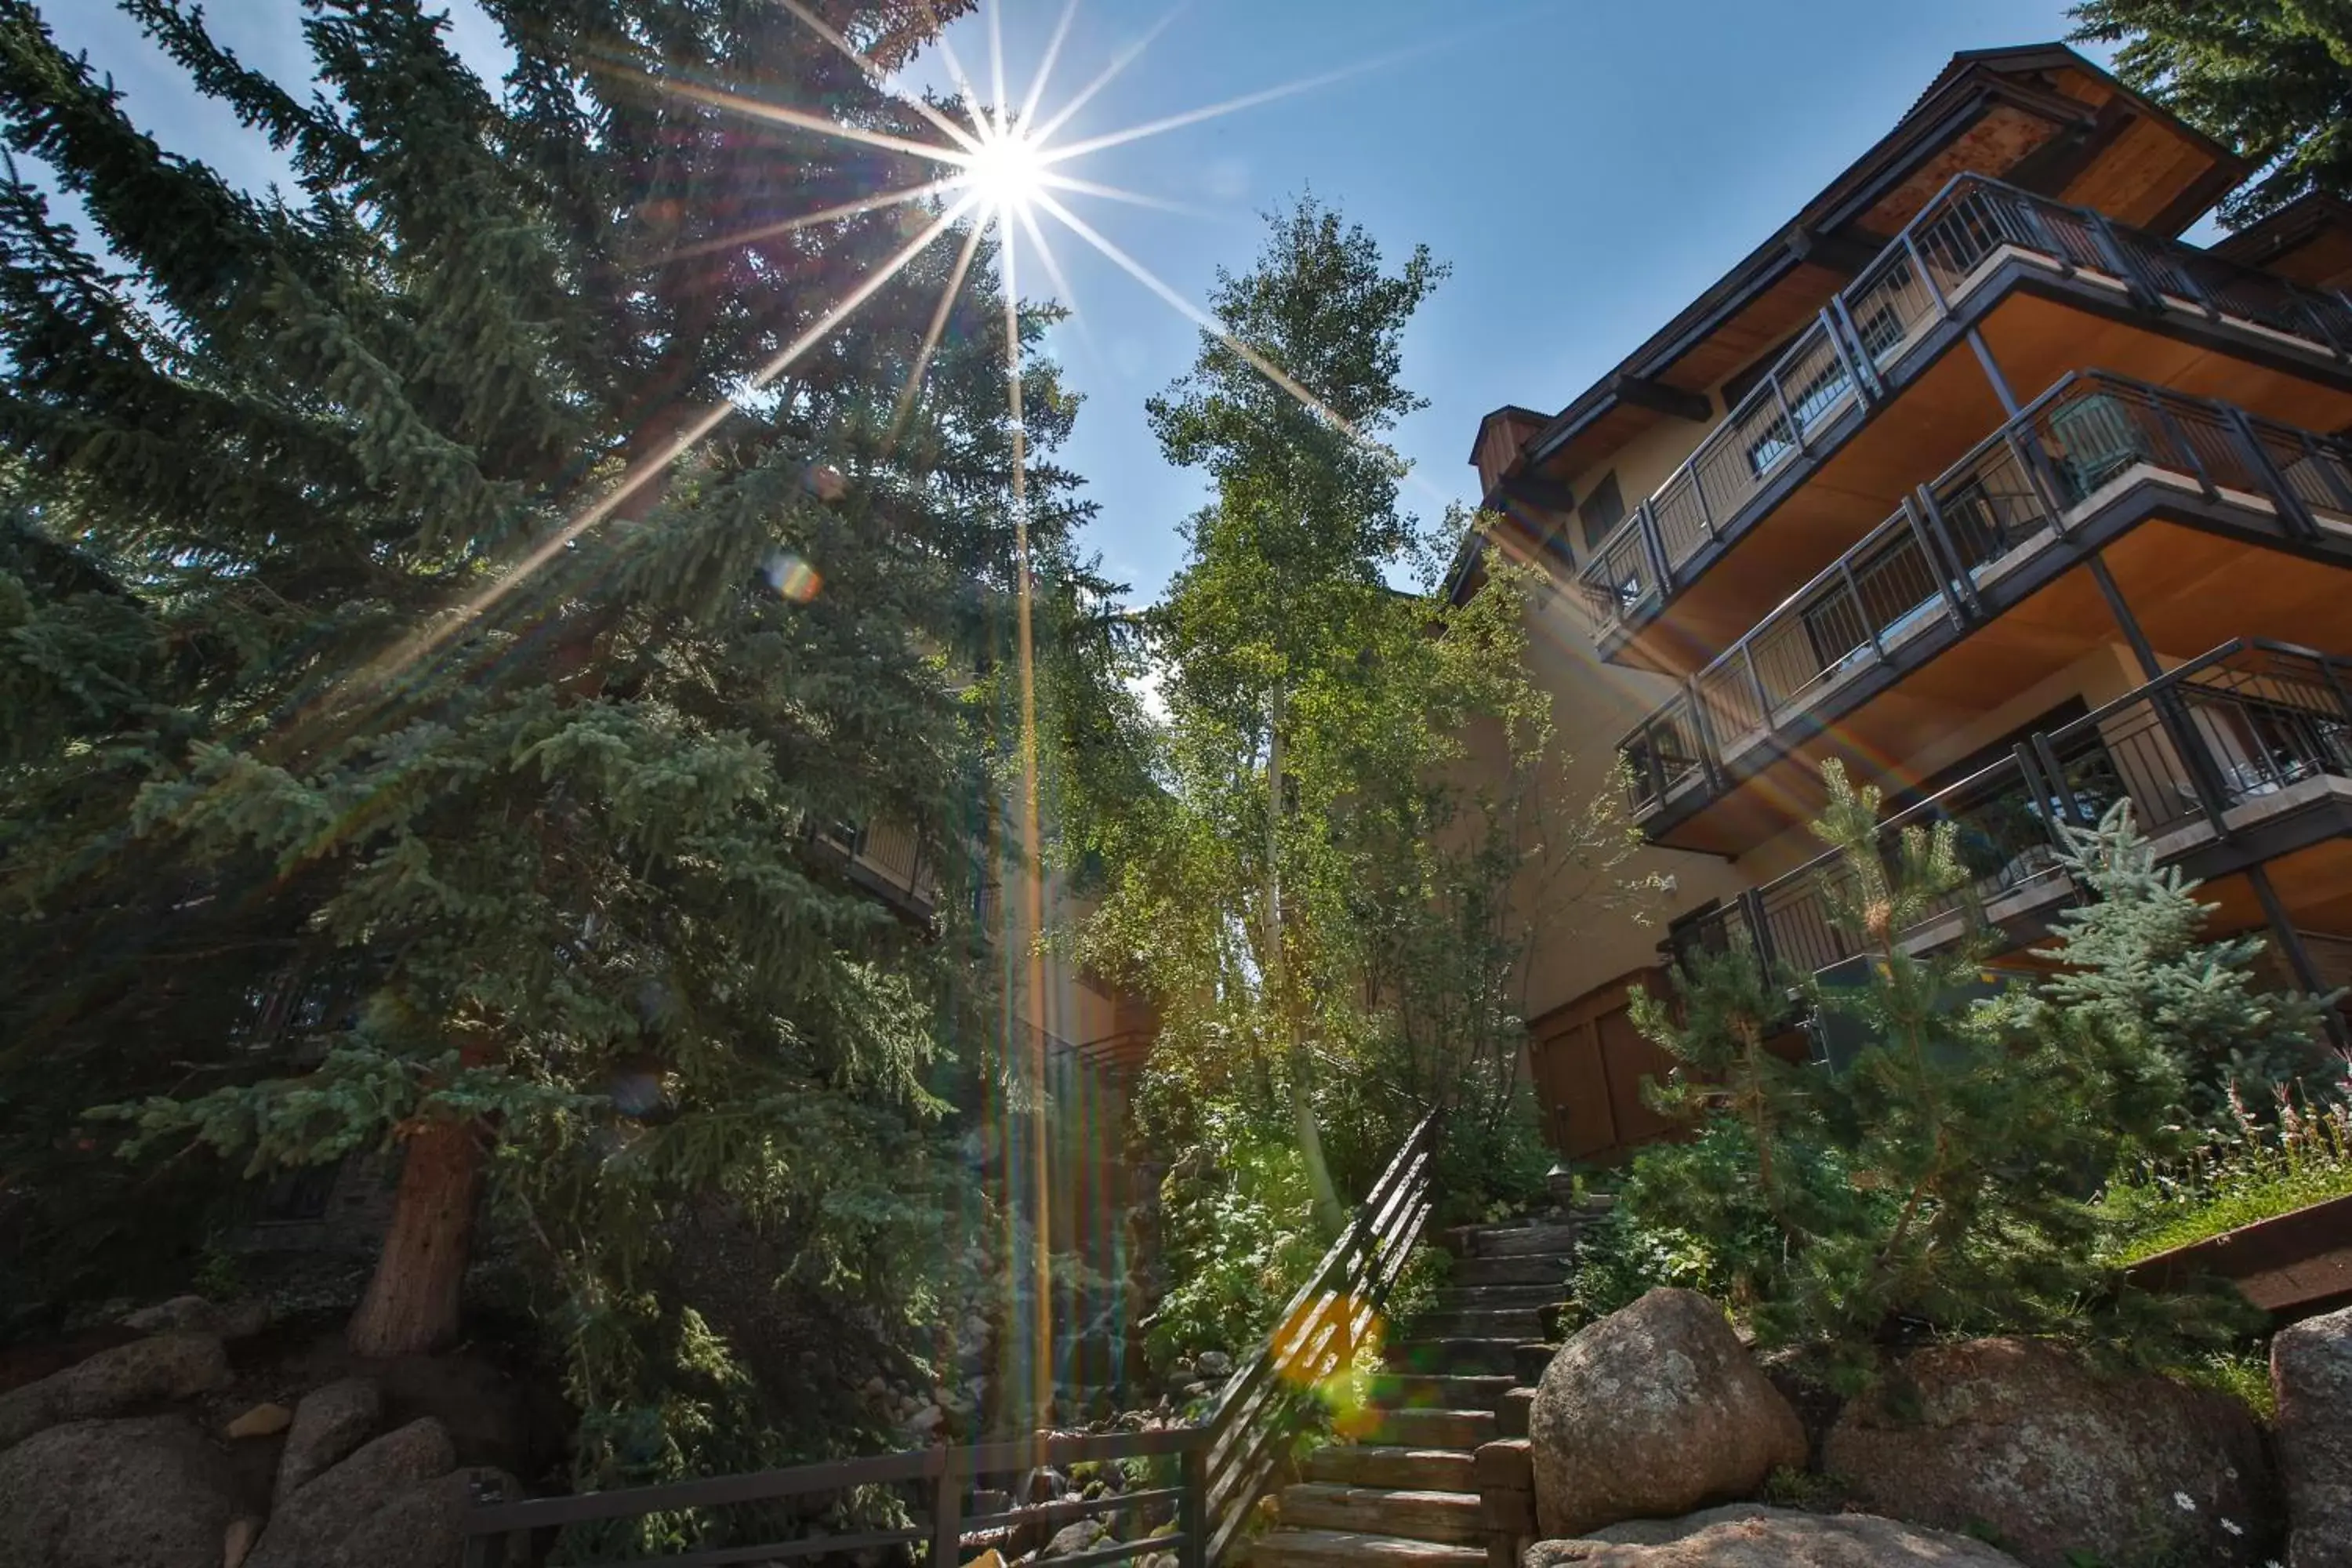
(1509,411)
(1659,398)
(2294,226)
(1952,103)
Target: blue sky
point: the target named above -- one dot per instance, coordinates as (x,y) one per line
(1586,166)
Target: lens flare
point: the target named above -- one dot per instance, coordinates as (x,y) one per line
(790,578)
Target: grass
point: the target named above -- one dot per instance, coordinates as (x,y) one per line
(2255,1172)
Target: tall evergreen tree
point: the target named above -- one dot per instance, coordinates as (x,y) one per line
(2271,78)
(414,733)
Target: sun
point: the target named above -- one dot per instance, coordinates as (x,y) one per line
(1005,168)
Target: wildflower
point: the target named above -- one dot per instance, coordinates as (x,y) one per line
(2233,1527)
(2184,1503)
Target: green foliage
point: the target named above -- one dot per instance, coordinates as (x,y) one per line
(2132,964)
(1238,1237)
(1942,1182)
(1307,865)
(2270,77)
(2251,1169)
(378,756)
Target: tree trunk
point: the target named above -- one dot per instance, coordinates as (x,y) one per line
(411,1304)
(1334,1218)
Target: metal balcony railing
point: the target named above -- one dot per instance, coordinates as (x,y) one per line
(1924,573)
(2250,720)
(1852,349)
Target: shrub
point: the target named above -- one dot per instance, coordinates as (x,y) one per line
(2250,1171)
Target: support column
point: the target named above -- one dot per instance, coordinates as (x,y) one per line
(2194,756)
(2298,957)
(2009,406)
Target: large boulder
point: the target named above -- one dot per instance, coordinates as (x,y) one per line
(1652,1412)
(2022,1438)
(169,1366)
(2311,1371)
(1745,1536)
(151,1492)
(310,1525)
(329,1423)
(422,1527)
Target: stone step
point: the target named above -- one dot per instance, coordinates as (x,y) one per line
(1535,1270)
(1438,1391)
(1384,1511)
(1491,1298)
(1434,1428)
(1407,1469)
(1528,1361)
(1456,1357)
(1511,1412)
(1492,1323)
(1346,1549)
(1524,1241)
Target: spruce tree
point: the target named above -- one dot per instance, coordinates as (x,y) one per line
(2270,77)
(2133,963)
(415,738)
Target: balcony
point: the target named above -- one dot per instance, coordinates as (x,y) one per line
(2087,460)
(887,859)
(2235,757)
(1889,325)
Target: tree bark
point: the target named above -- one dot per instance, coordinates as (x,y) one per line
(413,1303)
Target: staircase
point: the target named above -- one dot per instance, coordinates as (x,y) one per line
(1449,1422)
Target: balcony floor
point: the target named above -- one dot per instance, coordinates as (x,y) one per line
(2191,590)
(2039,327)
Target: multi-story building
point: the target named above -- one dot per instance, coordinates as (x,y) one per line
(1976,477)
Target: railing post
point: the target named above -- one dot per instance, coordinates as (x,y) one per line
(2040,787)
(2057,777)
(1788,415)
(1756,681)
(2179,434)
(2327,334)
(1703,731)
(1861,610)
(1767,957)
(1646,523)
(1698,493)
(2204,778)
(2291,508)
(2040,227)
(2025,442)
(1919,265)
(1919,510)
(1192,1506)
(947,1512)
(2136,282)
(2330,475)
(1837,318)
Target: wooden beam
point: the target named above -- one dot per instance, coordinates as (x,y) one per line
(1641,392)
(2051,167)
(1846,253)
(1545,495)
(2191,203)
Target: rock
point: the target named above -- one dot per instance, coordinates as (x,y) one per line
(2311,1371)
(1214,1366)
(1651,1412)
(261,1421)
(2020,1438)
(144,1493)
(422,1527)
(329,1423)
(169,1366)
(311,1522)
(242,1533)
(926,1420)
(1744,1535)
(1072,1539)
(194,1315)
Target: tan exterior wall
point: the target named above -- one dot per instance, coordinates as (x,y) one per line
(1577,947)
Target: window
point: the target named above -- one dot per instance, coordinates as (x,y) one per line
(1603,511)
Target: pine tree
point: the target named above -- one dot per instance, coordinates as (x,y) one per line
(415,735)
(2132,966)
(2270,77)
